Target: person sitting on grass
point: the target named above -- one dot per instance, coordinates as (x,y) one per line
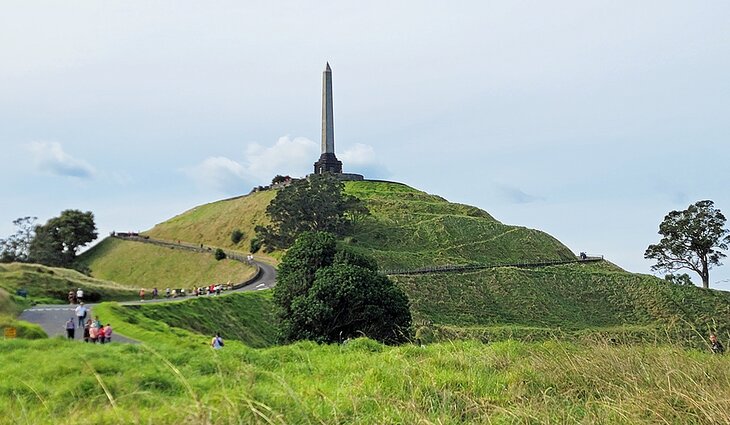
(217,342)
(716,346)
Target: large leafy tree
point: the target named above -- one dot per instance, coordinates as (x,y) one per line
(692,240)
(314,204)
(328,294)
(17,246)
(57,242)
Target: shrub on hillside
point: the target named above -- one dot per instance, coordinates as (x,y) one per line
(219,254)
(236,236)
(255,245)
(327,295)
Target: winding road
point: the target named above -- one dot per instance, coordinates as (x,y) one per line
(52,318)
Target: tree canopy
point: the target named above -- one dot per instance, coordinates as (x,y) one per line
(692,240)
(314,204)
(327,294)
(57,242)
(17,246)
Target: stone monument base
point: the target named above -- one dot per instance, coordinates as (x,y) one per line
(328,163)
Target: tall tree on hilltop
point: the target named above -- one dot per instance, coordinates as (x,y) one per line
(314,204)
(57,242)
(691,239)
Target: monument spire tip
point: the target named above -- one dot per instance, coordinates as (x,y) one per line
(327,68)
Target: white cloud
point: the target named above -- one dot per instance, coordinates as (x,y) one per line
(49,157)
(362,159)
(287,157)
(294,157)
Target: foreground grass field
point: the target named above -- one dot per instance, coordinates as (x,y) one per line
(361,382)
(137,265)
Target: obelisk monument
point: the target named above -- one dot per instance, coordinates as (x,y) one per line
(327,161)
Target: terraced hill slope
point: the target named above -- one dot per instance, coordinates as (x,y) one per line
(410,229)
(407,228)
(136,265)
(575,297)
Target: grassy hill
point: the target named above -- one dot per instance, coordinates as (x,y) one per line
(51,284)
(213,223)
(408,228)
(575,297)
(136,265)
(247,317)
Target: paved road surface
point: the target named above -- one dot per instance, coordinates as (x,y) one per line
(52,318)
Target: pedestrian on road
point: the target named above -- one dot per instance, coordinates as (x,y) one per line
(93,332)
(71,297)
(141,294)
(217,342)
(70,328)
(81,313)
(108,332)
(154,293)
(87,328)
(79,295)
(100,335)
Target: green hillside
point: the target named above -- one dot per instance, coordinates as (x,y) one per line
(51,284)
(411,229)
(569,297)
(247,316)
(213,223)
(137,265)
(408,228)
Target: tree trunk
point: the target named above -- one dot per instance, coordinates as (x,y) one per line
(705,274)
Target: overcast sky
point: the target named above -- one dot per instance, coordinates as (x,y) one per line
(589,120)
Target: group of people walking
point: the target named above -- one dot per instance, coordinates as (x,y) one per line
(214,289)
(94,330)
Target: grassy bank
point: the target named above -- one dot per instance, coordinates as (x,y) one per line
(362,382)
(51,284)
(246,317)
(213,223)
(140,265)
(569,297)
(10,307)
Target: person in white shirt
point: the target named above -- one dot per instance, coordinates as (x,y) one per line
(79,295)
(81,313)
